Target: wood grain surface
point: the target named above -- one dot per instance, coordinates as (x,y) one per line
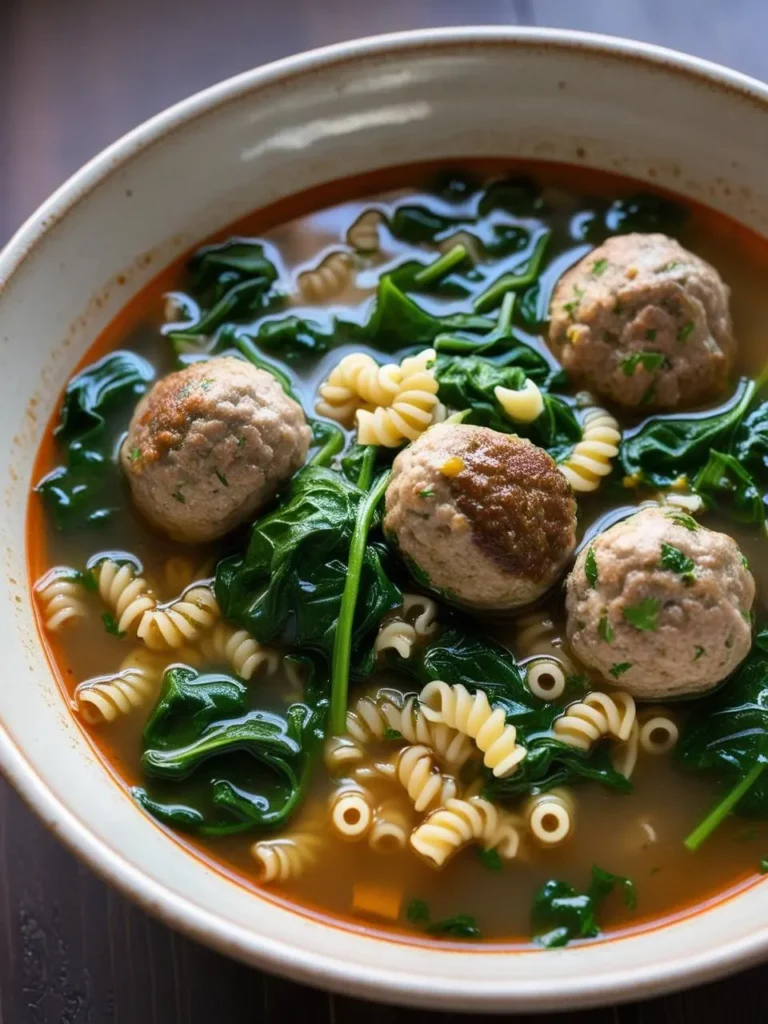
(74,75)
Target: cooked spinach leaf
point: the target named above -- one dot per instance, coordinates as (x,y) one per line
(560,914)
(725,480)
(461,926)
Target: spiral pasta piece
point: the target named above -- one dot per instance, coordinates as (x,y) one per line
(373,718)
(180,622)
(357,381)
(472,715)
(363,234)
(624,755)
(535,634)
(412,409)
(286,859)
(523,406)
(391,828)
(125,593)
(550,817)
(179,573)
(595,716)
(60,596)
(239,649)
(591,457)
(461,822)
(472,244)
(340,754)
(330,277)
(416,620)
(351,811)
(423,780)
(395,635)
(545,678)
(135,685)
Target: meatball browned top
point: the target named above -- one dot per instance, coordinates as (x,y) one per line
(484,517)
(660,605)
(644,322)
(210,445)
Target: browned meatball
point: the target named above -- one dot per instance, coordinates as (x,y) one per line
(644,322)
(485,518)
(210,445)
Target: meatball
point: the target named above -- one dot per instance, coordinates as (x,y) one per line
(660,605)
(485,518)
(210,445)
(644,322)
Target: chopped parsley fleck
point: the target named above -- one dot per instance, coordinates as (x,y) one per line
(571,307)
(747,616)
(700,652)
(392,734)
(462,926)
(729,643)
(417,912)
(590,568)
(650,361)
(110,624)
(428,492)
(668,266)
(178,496)
(644,615)
(618,308)
(684,520)
(649,395)
(744,562)
(764,866)
(620,669)
(686,331)
(675,560)
(206,384)
(241,442)
(222,478)
(490,859)
(599,267)
(134,454)
(183,392)
(650,334)
(605,629)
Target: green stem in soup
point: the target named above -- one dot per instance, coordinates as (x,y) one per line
(442,265)
(720,811)
(331,441)
(342,646)
(491,297)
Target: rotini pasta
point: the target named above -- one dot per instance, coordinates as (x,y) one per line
(340,754)
(133,686)
(624,755)
(471,243)
(523,406)
(545,678)
(60,596)
(412,409)
(422,779)
(461,822)
(239,649)
(391,827)
(125,593)
(363,234)
(285,859)
(180,572)
(357,381)
(595,716)
(658,733)
(403,631)
(328,279)
(549,817)
(180,622)
(591,457)
(373,718)
(351,811)
(472,715)
(535,634)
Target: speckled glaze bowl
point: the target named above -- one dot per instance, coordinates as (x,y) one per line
(605,103)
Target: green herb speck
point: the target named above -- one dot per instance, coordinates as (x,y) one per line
(650,334)
(222,478)
(417,912)
(599,267)
(134,454)
(729,643)
(178,496)
(428,492)
(686,331)
(700,652)
(490,859)
(590,568)
(644,615)
(241,442)
(206,384)
(392,734)
(620,669)
(675,560)
(605,629)
(110,624)
(684,520)
(650,361)
(764,866)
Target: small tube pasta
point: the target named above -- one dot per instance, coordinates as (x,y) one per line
(461,822)
(422,779)
(550,817)
(596,715)
(523,406)
(472,715)
(545,678)
(591,457)
(125,593)
(60,596)
(658,732)
(351,812)
(180,622)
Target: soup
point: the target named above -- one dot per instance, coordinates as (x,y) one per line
(301,529)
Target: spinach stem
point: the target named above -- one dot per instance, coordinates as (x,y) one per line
(332,446)
(491,297)
(504,322)
(342,644)
(721,811)
(442,265)
(366,467)
(252,354)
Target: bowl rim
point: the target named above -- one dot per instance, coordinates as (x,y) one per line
(180,912)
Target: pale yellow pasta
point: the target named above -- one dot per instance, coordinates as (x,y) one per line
(340,754)
(523,406)
(239,649)
(391,827)
(472,715)
(658,733)
(462,822)
(125,593)
(374,718)
(545,678)
(595,716)
(471,243)
(61,597)
(180,622)
(180,572)
(287,858)
(624,755)
(410,412)
(550,817)
(591,458)
(535,634)
(358,381)
(416,620)
(395,635)
(328,279)
(422,779)
(135,685)
(363,235)
(422,612)
(351,810)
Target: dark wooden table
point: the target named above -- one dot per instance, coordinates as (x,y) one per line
(74,75)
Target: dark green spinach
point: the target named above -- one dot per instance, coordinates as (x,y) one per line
(560,914)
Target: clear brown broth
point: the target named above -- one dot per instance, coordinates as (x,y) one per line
(612,830)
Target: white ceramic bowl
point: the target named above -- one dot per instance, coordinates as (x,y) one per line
(660,116)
